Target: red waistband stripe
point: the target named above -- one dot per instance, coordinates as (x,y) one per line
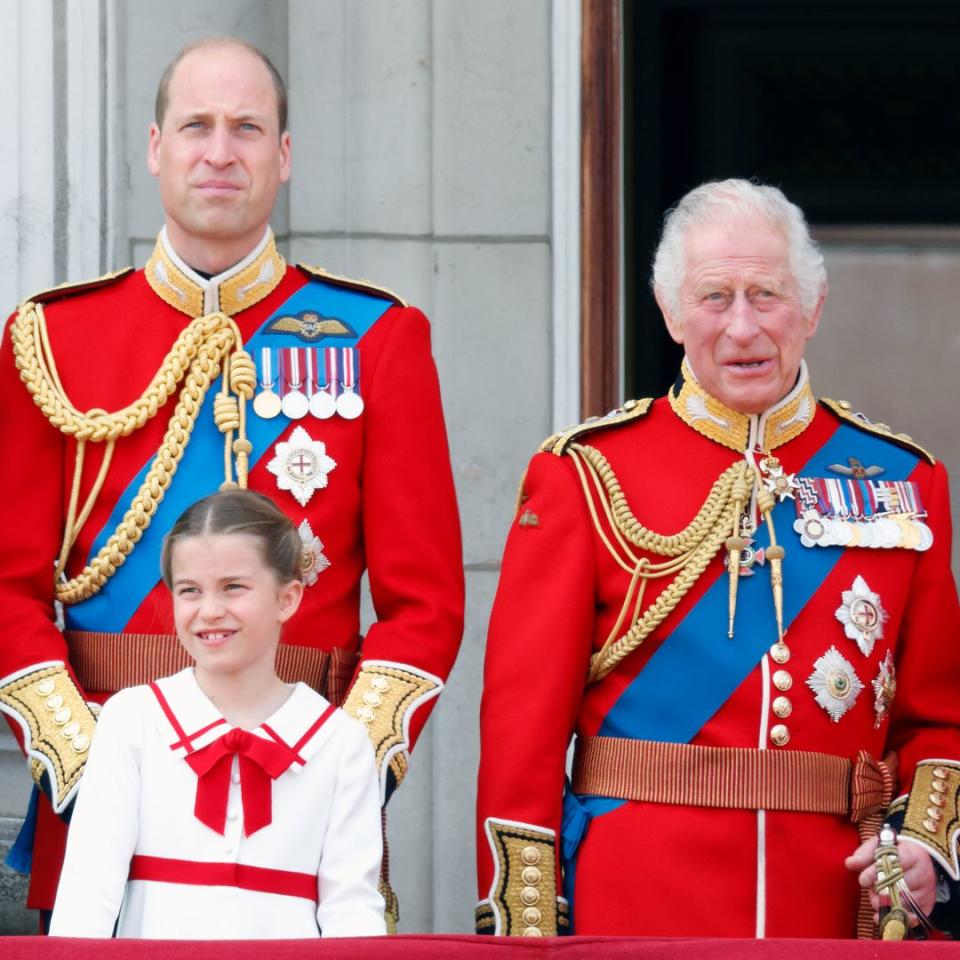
(286,883)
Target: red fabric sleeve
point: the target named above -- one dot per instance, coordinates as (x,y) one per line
(411,527)
(32,523)
(925,715)
(538,653)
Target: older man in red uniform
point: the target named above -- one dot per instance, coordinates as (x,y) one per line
(129,397)
(739,600)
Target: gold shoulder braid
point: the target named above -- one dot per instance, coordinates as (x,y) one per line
(207,345)
(631,410)
(844,411)
(688,552)
(361,286)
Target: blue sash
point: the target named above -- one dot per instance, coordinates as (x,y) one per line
(698,658)
(199,472)
(697,667)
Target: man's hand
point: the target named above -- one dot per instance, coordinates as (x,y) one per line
(918,872)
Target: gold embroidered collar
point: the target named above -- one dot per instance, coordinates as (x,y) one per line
(740,431)
(243,285)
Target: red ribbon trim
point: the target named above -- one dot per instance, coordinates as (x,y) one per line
(285,883)
(261,761)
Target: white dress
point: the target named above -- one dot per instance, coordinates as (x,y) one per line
(135,814)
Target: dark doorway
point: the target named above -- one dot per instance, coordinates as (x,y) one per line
(851,106)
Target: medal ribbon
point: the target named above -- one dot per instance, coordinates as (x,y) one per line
(311,359)
(330,365)
(266,368)
(350,361)
(291,366)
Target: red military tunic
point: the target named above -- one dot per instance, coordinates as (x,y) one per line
(668,865)
(373,493)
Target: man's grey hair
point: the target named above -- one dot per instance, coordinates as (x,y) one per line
(719,201)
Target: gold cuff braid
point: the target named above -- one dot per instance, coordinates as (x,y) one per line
(382,698)
(58,726)
(933,811)
(524,897)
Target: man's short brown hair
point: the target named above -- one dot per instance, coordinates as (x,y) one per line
(163,88)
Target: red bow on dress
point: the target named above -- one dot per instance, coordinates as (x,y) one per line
(261,761)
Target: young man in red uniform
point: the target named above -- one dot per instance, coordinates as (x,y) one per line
(131,396)
(739,600)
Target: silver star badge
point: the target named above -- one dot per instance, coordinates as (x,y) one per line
(884,689)
(862,615)
(301,465)
(834,683)
(312,561)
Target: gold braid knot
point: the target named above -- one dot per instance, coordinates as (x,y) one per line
(690,550)
(206,345)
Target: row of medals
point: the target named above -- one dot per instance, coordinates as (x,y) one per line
(295,404)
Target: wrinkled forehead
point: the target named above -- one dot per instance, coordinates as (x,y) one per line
(745,242)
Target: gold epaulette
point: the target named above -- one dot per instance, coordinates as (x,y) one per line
(631,410)
(69,289)
(844,410)
(361,286)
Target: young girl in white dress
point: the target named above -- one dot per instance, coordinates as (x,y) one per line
(220,802)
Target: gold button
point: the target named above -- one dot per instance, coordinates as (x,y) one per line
(372,698)
(530,855)
(61,716)
(934,813)
(930,825)
(780,735)
(71,729)
(939,786)
(782,707)
(46,686)
(530,875)
(382,684)
(365,714)
(55,702)
(937,799)
(782,680)
(81,742)
(531,916)
(939,773)
(532,932)
(529,896)
(780,652)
